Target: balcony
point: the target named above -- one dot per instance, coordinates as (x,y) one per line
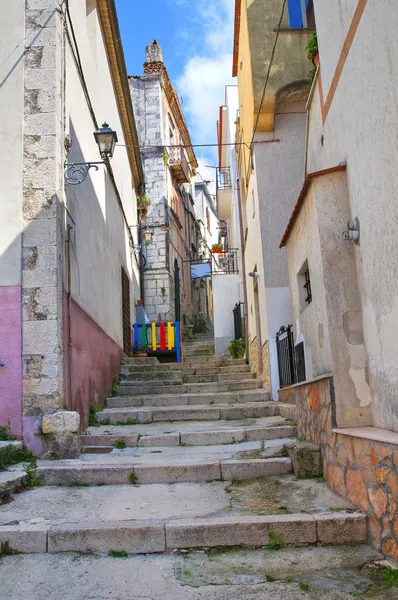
(178,165)
(226,262)
(224,193)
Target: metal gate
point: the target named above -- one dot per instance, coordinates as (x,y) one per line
(126,313)
(291,358)
(238,321)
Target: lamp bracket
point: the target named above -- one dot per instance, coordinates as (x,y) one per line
(76,173)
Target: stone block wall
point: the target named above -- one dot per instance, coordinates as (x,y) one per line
(364,471)
(42,241)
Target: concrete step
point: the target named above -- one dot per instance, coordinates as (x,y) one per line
(182,433)
(208,344)
(288,411)
(209,361)
(156,387)
(187,413)
(260,395)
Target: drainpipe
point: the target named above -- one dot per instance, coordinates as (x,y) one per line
(141,264)
(242,248)
(69,331)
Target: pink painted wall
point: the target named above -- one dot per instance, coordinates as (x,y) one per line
(11,356)
(95,362)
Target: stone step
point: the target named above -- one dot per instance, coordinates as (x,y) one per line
(206,343)
(260,395)
(187,413)
(156,387)
(191,353)
(160,536)
(218,378)
(164,377)
(144,361)
(288,411)
(209,361)
(12,479)
(170,473)
(166,368)
(216,370)
(108,436)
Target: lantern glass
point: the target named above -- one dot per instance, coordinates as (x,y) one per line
(106,139)
(148,236)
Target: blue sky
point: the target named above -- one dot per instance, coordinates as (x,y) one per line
(196,39)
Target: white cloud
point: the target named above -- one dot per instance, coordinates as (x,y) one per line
(207,71)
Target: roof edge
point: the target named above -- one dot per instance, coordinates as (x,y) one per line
(302,196)
(238,8)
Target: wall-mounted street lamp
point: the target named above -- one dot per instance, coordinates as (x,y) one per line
(148,238)
(106,139)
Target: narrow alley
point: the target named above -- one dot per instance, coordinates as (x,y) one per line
(198,300)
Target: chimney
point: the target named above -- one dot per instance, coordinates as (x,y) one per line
(154,53)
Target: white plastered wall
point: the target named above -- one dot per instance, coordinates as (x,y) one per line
(100,233)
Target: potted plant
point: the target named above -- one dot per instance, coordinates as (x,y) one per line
(143,202)
(237,348)
(140,351)
(216,248)
(313,55)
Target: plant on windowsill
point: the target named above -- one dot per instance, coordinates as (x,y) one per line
(313,55)
(236,348)
(216,248)
(143,202)
(140,352)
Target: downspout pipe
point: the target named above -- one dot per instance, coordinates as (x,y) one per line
(242,247)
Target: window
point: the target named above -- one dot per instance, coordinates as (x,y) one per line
(304,286)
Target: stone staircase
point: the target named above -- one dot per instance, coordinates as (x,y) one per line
(183,457)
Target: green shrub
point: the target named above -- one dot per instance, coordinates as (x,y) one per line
(236,348)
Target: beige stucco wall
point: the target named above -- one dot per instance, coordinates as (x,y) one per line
(100,234)
(12,19)
(310,325)
(361,129)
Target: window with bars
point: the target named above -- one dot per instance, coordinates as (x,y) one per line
(304,286)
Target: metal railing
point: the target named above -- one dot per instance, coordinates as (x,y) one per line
(226,262)
(224,181)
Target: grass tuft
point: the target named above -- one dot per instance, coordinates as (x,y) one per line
(120,444)
(118,554)
(276,541)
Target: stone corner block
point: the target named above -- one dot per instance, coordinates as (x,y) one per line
(27,539)
(342,528)
(61,421)
(306,458)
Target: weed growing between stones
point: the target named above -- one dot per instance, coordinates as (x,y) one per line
(120,444)
(118,554)
(31,479)
(92,416)
(73,484)
(133,477)
(269,577)
(12,455)
(262,445)
(5,433)
(305,587)
(276,541)
(320,479)
(6,550)
(115,388)
(129,421)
